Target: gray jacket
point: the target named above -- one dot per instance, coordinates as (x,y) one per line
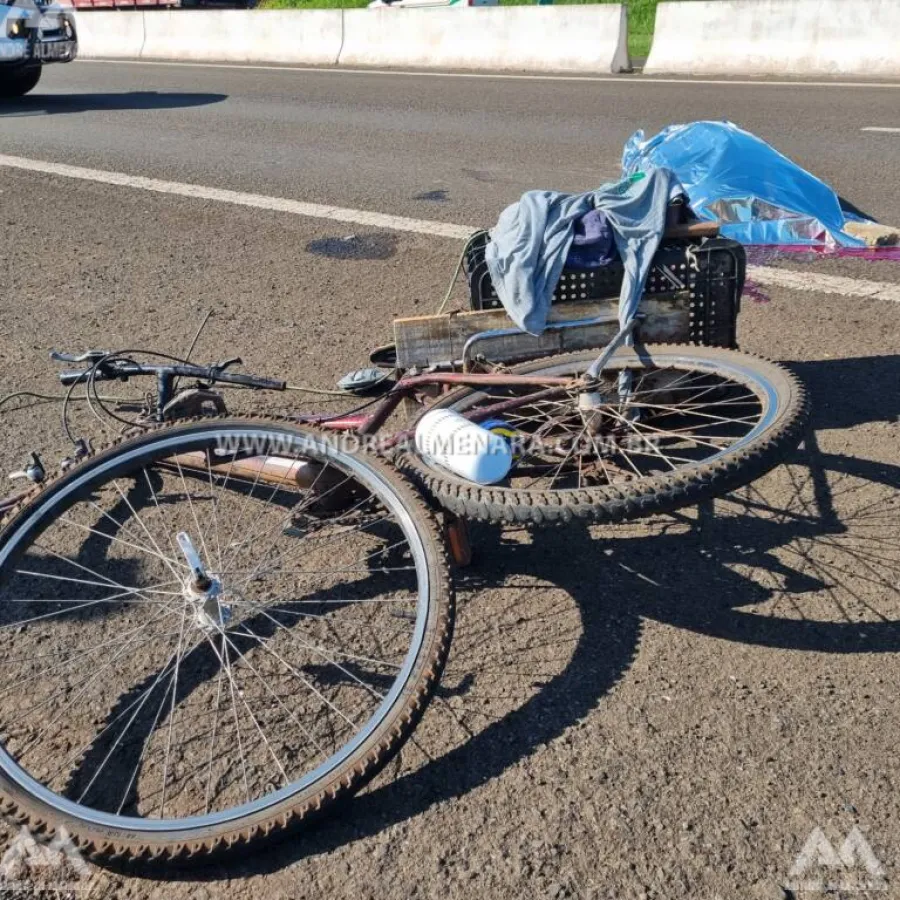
(531,240)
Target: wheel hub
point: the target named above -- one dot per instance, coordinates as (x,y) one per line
(202,590)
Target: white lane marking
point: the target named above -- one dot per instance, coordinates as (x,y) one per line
(239,198)
(420,73)
(800,281)
(881,128)
(824,284)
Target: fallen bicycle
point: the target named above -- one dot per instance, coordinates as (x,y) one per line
(217,627)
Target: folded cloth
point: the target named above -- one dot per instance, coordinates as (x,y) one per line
(532,238)
(593,242)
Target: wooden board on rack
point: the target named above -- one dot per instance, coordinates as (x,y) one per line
(430,340)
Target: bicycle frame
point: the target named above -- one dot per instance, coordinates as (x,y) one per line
(367,424)
(362,425)
(370,424)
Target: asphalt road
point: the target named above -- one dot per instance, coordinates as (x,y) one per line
(655,711)
(455,149)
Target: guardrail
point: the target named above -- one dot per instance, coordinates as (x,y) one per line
(122,4)
(777,37)
(587,39)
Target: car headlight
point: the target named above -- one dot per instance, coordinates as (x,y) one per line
(16,28)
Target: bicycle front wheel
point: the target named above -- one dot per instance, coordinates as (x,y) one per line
(210,633)
(696,422)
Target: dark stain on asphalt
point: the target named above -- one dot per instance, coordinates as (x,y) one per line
(439,196)
(378,245)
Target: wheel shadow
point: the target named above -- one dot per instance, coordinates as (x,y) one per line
(688,571)
(595,655)
(741,570)
(852,391)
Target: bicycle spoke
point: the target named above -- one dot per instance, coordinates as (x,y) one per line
(144,697)
(200,530)
(322,653)
(212,741)
(115,540)
(162,803)
(85,684)
(295,511)
(19,623)
(171,561)
(237,725)
(253,718)
(185,635)
(268,689)
(305,682)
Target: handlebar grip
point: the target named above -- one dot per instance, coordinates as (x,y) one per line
(271,384)
(70,378)
(77,376)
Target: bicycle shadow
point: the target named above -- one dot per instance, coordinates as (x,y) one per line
(555,655)
(649,578)
(842,389)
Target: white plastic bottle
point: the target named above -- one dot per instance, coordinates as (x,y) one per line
(467,449)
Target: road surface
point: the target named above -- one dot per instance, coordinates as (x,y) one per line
(655,711)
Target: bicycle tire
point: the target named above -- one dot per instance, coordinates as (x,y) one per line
(129,839)
(786,415)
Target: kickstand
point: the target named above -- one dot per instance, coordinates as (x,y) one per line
(706,515)
(456,533)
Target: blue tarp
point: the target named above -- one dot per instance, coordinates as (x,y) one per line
(758,194)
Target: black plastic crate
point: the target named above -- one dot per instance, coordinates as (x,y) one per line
(712,272)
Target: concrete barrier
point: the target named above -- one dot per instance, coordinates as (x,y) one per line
(110,35)
(777,37)
(582,39)
(579,39)
(307,37)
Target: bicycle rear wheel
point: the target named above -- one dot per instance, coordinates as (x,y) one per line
(210,633)
(699,422)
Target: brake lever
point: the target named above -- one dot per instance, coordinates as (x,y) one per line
(91,356)
(218,368)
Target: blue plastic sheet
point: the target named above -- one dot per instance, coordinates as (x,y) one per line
(758,194)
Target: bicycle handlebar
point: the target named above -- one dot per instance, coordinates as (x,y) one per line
(121,371)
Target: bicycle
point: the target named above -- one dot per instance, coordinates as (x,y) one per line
(267,609)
